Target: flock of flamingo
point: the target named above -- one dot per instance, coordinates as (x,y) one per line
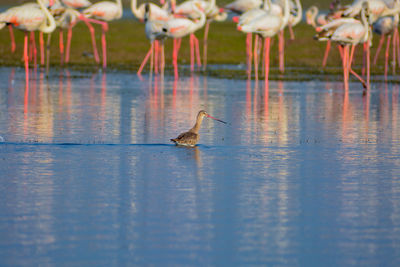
(346,25)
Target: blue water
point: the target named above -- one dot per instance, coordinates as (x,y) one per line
(303,175)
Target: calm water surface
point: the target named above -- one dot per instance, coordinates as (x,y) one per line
(303,175)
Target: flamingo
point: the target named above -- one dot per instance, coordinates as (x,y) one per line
(353,33)
(76,4)
(187,9)
(30,19)
(267,26)
(104,11)
(241,6)
(318,19)
(155,32)
(246,18)
(177,28)
(156,12)
(9,13)
(385,26)
(377,8)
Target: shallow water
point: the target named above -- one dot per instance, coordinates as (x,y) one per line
(303,174)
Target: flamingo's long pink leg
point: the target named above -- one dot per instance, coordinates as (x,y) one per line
(61,44)
(345,64)
(389,37)
(146,58)
(350,68)
(26,58)
(175,58)
(256,57)
(197,50)
(205,44)
(156,56)
(267,43)
(326,54)
(162,63)
(249,54)
(68,47)
(378,50)
(191,52)
(10,29)
(91,30)
(104,43)
(41,42)
(281,52)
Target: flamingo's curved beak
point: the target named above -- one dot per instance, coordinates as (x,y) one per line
(51,3)
(235,19)
(215,118)
(239,28)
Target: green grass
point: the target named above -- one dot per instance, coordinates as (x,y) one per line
(127,45)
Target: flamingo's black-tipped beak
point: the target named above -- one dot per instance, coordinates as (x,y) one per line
(215,118)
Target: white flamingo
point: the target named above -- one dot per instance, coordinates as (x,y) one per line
(386,27)
(30,19)
(104,11)
(353,33)
(241,6)
(267,26)
(155,32)
(155,12)
(177,28)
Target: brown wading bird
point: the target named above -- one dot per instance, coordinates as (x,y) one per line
(191,137)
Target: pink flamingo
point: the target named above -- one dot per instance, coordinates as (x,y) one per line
(104,11)
(244,19)
(353,33)
(386,26)
(155,32)
(31,19)
(177,28)
(155,12)
(241,6)
(266,26)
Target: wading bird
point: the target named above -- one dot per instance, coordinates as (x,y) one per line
(29,19)
(191,137)
(104,11)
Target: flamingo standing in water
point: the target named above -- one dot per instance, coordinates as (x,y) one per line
(353,33)
(318,19)
(177,28)
(155,32)
(31,19)
(191,137)
(386,26)
(266,26)
(104,11)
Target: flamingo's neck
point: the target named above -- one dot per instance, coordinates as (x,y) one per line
(50,27)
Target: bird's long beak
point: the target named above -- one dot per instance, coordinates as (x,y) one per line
(215,118)
(51,3)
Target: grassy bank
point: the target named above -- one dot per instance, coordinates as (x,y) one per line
(127,45)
